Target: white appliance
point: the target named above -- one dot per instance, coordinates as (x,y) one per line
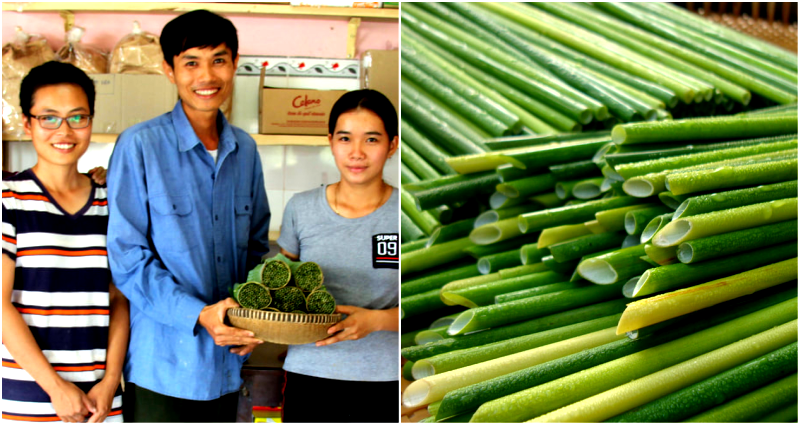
(286,72)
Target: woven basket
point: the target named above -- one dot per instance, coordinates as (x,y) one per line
(759,21)
(283,328)
(776,33)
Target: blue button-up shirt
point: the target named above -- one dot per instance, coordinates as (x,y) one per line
(182,230)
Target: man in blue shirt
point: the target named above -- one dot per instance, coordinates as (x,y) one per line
(188,218)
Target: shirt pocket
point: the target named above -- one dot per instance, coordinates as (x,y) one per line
(175,227)
(243,209)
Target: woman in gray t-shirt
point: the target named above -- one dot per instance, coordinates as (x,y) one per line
(350,228)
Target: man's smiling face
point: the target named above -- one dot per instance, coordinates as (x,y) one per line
(204,77)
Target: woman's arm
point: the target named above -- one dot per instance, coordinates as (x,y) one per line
(361,322)
(289,255)
(69,402)
(118,331)
(102,394)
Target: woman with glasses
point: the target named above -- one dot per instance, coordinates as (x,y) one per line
(65,325)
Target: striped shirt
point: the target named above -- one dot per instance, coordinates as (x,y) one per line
(61,290)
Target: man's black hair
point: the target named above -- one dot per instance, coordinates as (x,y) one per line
(372,100)
(198,28)
(50,74)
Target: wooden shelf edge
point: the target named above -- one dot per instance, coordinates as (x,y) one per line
(290,139)
(104,138)
(261,139)
(234,8)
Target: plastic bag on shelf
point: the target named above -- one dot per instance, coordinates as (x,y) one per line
(137,53)
(88,59)
(26,52)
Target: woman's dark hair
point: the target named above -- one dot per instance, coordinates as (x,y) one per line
(50,74)
(372,100)
(198,28)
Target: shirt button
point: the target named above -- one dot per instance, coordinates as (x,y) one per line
(212,177)
(174,207)
(219,259)
(247,208)
(216,217)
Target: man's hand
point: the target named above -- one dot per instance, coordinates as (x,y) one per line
(98,175)
(102,395)
(70,403)
(212,317)
(245,349)
(359,323)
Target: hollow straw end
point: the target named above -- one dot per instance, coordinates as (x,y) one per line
(487,217)
(451,298)
(508,190)
(630,224)
(638,188)
(585,117)
(672,234)
(484,266)
(416,393)
(586,190)
(426,337)
(561,192)
(523,224)
(460,323)
(681,209)
(515,162)
(497,200)
(640,283)
(597,271)
(618,135)
(629,287)
(485,235)
(417,204)
(523,258)
(434,236)
(685,253)
(422,369)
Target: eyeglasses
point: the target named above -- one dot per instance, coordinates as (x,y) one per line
(52,122)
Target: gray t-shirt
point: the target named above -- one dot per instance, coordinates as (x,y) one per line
(359,258)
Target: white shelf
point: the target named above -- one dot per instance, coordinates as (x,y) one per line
(261,139)
(290,139)
(225,8)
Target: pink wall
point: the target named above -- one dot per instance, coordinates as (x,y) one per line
(258,35)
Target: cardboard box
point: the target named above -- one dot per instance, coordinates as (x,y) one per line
(295,111)
(380,71)
(126,99)
(286,73)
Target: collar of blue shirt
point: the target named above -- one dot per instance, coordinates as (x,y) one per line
(187,139)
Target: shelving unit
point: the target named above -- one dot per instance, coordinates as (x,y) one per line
(238,8)
(261,139)
(355,15)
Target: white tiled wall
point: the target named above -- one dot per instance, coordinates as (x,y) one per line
(308,167)
(287,169)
